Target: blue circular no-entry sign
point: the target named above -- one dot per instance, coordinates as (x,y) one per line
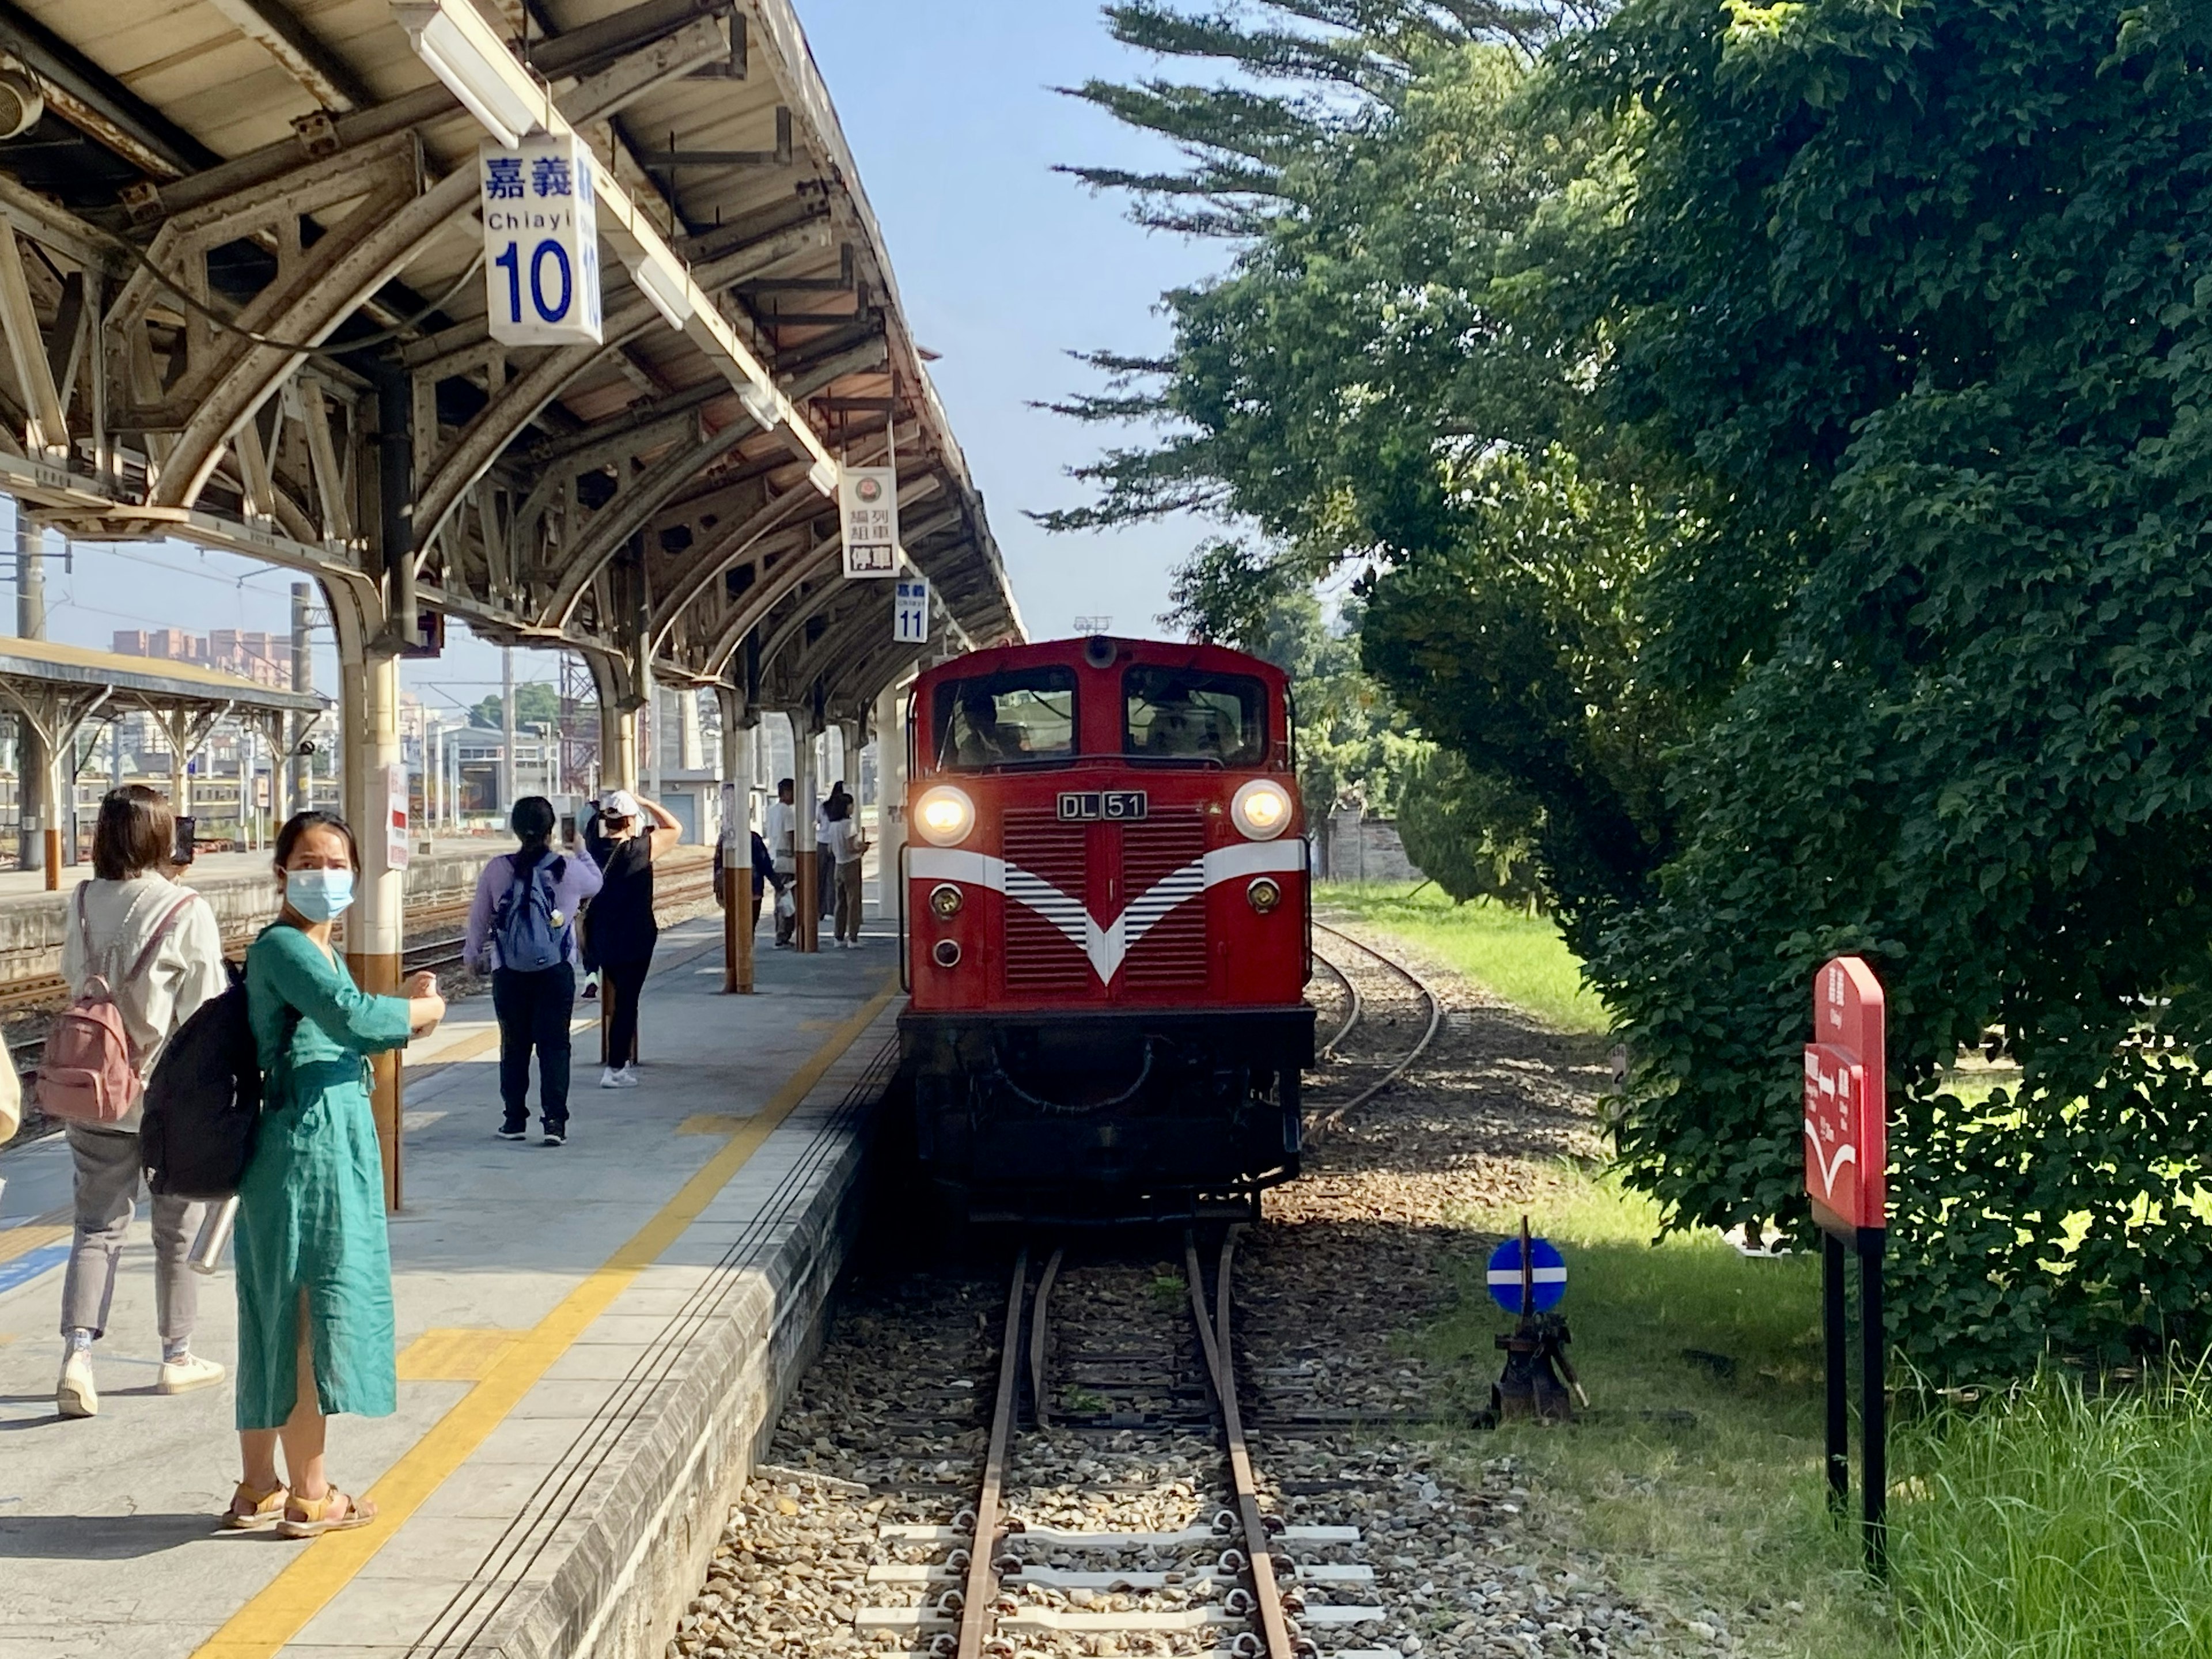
(1550,1275)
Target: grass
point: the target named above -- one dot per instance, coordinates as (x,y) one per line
(2056,1525)
(2048,1524)
(1696,1477)
(1519,955)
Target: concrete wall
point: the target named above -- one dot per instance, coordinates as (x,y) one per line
(1354,848)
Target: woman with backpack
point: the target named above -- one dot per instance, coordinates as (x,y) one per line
(621,931)
(524,918)
(314,1267)
(139,947)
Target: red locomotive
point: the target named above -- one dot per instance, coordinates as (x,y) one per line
(1107,926)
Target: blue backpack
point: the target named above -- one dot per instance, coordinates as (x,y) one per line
(531,933)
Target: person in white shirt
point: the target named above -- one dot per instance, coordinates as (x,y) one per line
(847,843)
(113,921)
(783,853)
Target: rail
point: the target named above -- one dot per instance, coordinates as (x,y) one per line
(1336,1114)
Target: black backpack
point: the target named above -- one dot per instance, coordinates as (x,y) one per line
(204,1100)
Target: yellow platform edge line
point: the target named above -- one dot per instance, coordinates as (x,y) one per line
(262,1627)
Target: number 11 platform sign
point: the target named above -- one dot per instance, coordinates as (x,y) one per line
(541,241)
(1846,1178)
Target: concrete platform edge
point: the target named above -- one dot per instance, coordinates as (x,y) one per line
(623,1573)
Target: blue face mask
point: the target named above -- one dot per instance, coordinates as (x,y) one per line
(320,895)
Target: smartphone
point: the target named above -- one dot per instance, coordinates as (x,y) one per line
(182,855)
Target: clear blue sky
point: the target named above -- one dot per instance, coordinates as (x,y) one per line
(1003,266)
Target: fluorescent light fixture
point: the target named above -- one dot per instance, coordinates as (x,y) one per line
(760,402)
(461,50)
(823,477)
(666,285)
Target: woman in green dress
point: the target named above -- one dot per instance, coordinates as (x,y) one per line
(314,1271)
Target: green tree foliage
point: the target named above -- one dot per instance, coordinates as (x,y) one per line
(536,702)
(1922,294)
(1777,437)
(1468,832)
(1375,380)
(1355,745)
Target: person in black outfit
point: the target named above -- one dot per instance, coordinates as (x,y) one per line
(619,932)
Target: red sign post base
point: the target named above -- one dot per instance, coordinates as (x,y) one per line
(1846,1173)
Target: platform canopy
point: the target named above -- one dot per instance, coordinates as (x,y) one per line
(145,682)
(216,186)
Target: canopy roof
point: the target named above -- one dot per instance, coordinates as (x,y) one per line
(215,179)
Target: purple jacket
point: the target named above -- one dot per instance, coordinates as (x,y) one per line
(576,883)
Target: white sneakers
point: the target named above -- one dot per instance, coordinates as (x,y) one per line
(183,1376)
(74,1395)
(624,1078)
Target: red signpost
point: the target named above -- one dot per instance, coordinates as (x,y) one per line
(1846,1177)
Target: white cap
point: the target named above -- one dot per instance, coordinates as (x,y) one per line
(619,804)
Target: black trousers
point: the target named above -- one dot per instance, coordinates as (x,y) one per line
(534,1010)
(621,983)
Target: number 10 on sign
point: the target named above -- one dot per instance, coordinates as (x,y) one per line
(541,241)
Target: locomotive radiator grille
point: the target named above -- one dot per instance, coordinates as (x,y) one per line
(1162,871)
(1055,856)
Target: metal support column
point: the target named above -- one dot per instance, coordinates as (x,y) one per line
(303,679)
(370,674)
(740,920)
(805,799)
(890,798)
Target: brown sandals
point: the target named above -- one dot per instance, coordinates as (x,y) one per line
(315,1517)
(263,1509)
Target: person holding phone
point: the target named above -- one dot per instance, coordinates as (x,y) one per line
(621,930)
(313,1265)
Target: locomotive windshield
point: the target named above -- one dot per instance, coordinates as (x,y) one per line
(1025,715)
(1182,714)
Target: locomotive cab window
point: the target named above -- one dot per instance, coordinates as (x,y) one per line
(1025,715)
(1182,714)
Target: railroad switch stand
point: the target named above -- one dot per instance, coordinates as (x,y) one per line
(1537,1374)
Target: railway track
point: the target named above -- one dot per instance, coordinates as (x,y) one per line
(1323,1119)
(440,955)
(1001,1580)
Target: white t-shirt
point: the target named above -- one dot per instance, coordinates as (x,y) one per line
(844,838)
(778,834)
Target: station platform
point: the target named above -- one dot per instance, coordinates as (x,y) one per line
(592,1341)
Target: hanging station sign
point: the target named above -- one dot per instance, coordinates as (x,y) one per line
(910,611)
(541,241)
(867,503)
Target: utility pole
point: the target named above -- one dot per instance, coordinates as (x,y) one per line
(303,679)
(506,727)
(31,757)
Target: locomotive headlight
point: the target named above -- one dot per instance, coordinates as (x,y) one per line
(944,901)
(945,816)
(1262,809)
(1264,894)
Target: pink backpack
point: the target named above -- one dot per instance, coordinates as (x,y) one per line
(89,1072)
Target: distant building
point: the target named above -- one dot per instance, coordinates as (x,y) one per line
(264,658)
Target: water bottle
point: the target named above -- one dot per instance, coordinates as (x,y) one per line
(214,1233)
